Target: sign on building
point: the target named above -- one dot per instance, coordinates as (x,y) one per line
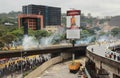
(73,24)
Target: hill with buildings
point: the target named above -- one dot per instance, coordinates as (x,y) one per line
(9,18)
(115,21)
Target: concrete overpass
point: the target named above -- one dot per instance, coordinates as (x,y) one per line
(44,50)
(97,53)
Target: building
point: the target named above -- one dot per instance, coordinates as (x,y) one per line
(51,15)
(51,29)
(31,21)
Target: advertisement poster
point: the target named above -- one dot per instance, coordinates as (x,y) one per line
(73,24)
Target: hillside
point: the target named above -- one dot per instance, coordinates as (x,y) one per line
(115,21)
(10,17)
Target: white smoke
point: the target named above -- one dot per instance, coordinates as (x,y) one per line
(29,42)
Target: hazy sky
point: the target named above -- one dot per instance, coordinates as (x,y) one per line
(95,7)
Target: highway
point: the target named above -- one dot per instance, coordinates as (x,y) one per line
(43,50)
(103,50)
(105,60)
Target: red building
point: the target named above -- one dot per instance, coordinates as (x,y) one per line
(31,21)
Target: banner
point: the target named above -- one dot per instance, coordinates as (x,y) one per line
(73,24)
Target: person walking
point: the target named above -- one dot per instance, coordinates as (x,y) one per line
(92,49)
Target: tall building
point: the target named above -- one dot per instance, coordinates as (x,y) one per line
(51,15)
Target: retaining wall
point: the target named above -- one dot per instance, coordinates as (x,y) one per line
(37,72)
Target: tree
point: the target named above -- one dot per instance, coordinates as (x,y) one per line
(44,33)
(63,37)
(102,33)
(115,31)
(2,32)
(31,32)
(84,33)
(1,44)
(17,32)
(8,38)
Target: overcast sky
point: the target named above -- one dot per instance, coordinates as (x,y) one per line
(95,7)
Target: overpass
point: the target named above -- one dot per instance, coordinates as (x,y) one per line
(111,66)
(43,50)
(97,54)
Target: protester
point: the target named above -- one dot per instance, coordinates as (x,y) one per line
(26,65)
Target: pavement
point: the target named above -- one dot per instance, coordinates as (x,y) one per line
(103,49)
(13,75)
(61,70)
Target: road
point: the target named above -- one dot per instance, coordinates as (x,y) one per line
(102,50)
(61,70)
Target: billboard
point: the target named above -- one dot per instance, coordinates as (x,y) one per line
(73,34)
(73,24)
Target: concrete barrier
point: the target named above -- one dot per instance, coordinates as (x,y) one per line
(37,72)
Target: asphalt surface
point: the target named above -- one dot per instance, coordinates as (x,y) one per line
(103,49)
(61,70)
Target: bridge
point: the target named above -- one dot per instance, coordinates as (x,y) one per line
(107,66)
(96,53)
(43,50)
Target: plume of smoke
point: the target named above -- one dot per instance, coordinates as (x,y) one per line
(29,42)
(86,40)
(46,41)
(106,38)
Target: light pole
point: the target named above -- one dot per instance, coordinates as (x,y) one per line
(21,66)
(73,45)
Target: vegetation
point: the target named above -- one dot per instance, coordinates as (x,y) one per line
(10,17)
(63,17)
(9,34)
(115,31)
(8,38)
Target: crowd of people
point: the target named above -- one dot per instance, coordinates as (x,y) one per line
(112,55)
(24,64)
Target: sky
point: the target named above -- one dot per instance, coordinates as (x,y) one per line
(99,8)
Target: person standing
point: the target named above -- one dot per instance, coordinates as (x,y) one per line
(114,56)
(92,49)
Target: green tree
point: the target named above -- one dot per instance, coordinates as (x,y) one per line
(63,37)
(84,33)
(115,31)
(102,33)
(91,31)
(44,33)
(63,19)
(31,32)
(2,32)
(17,32)
(8,38)
(1,44)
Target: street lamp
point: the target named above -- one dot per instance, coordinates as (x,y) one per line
(21,66)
